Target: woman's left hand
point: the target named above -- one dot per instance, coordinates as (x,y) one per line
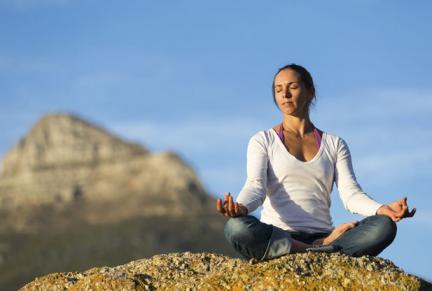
(397,210)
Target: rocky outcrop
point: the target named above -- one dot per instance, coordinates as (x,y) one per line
(206,271)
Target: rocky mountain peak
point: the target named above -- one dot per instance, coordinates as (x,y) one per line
(64,159)
(62,139)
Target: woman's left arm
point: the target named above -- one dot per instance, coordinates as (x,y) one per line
(353,197)
(350,192)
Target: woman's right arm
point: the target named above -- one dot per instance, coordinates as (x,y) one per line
(253,192)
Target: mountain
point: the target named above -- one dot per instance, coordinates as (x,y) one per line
(73,195)
(65,159)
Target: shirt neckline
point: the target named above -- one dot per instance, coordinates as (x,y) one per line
(317,155)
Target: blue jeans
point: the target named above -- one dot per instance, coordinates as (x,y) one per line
(255,239)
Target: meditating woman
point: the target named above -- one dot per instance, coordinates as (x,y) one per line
(290,172)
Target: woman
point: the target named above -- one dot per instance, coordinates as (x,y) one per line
(290,171)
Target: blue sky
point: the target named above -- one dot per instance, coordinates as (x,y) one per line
(195,76)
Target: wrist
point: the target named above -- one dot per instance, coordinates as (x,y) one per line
(379,210)
(245,210)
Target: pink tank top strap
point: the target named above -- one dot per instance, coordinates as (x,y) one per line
(317,137)
(281,134)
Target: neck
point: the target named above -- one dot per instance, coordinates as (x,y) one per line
(297,125)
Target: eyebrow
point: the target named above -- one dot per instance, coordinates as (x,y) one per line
(288,83)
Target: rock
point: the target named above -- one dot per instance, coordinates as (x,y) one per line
(206,271)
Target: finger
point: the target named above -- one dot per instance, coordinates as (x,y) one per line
(402,212)
(230,206)
(404,201)
(225,207)
(225,203)
(219,206)
(227,194)
(236,209)
(411,214)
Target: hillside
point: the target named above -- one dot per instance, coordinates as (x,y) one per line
(73,195)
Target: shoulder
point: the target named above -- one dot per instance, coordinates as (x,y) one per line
(267,135)
(335,142)
(264,138)
(333,137)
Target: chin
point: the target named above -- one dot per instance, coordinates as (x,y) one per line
(288,111)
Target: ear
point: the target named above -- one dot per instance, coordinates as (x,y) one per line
(310,95)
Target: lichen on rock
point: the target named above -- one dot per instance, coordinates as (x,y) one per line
(206,271)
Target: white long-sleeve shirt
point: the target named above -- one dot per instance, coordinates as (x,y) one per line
(296,195)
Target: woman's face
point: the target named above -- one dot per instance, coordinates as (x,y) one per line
(291,95)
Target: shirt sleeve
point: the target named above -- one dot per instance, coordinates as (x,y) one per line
(353,198)
(253,192)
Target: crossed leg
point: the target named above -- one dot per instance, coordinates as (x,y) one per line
(255,239)
(370,237)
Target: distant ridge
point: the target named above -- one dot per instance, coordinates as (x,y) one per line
(63,139)
(64,158)
(72,196)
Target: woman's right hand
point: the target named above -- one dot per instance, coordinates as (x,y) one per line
(230,208)
(338,231)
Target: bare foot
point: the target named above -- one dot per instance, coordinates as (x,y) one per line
(338,231)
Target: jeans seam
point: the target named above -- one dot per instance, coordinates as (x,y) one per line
(268,245)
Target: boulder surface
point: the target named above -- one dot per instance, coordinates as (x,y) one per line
(206,271)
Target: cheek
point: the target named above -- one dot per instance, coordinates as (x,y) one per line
(302,96)
(279,99)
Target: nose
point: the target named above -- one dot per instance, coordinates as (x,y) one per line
(287,93)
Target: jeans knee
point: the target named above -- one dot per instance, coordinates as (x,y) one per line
(387,225)
(237,227)
(371,237)
(385,228)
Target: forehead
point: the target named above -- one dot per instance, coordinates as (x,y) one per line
(287,76)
